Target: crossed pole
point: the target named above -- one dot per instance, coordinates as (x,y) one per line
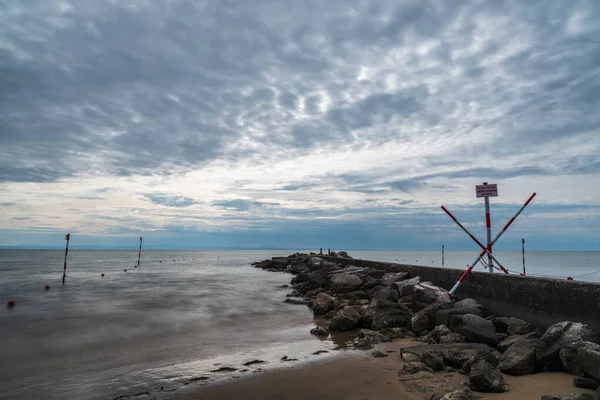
(486,249)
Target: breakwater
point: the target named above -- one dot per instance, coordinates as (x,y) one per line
(540,301)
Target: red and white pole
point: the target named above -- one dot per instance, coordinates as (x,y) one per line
(488,226)
(523,251)
(140,252)
(67,238)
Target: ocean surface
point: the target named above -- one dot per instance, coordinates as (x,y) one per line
(162,328)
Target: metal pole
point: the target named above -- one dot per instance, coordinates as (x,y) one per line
(488,226)
(442,255)
(67,238)
(523,249)
(140,252)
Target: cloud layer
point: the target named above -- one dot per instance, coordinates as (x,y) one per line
(343,116)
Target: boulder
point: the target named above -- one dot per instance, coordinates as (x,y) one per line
(474,329)
(342,254)
(362,344)
(356,295)
(425,293)
(452,338)
(413,367)
(506,343)
(589,361)
(405,287)
(391,277)
(568,356)
(571,396)
(443,317)
(393,333)
(433,359)
(345,319)
(511,326)
(389,315)
(291,300)
(484,377)
(319,331)
(376,273)
(454,354)
(586,383)
(311,280)
(384,293)
(426,318)
(488,356)
(460,394)
(470,304)
(438,332)
(345,282)
(373,337)
(322,304)
(370,283)
(519,359)
(559,336)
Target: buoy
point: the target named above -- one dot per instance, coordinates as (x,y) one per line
(10,304)
(160,262)
(46,287)
(569,278)
(102,275)
(125,270)
(522,274)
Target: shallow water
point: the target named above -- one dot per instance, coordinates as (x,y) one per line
(177,317)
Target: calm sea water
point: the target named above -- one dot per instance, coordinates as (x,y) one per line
(177,317)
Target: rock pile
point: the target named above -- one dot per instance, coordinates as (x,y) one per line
(460,336)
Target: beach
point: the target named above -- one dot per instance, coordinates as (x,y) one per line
(364,377)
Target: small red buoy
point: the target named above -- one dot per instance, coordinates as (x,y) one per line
(10,304)
(522,274)
(569,278)
(125,270)
(102,275)
(46,287)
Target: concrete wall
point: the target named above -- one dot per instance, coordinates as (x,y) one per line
(540,301)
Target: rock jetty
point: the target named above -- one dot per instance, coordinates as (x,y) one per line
(457,335)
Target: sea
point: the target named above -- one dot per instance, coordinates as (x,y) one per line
(181,320)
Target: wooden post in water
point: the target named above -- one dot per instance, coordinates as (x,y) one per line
(67,238)
(140,252)
(523,251)
(442,255)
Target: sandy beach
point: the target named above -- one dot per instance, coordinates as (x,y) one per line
(364,377)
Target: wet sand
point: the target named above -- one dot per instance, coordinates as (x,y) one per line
(363,377)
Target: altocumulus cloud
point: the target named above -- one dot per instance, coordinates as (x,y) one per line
(343,120)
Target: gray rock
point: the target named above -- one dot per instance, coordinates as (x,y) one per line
(559,336)
(370,283)
(391,277)
(568,356)
(460,394)
(426,293)
(474,329)
(409,357)
(378,354)
(506,343)
(373,337)
(571,396)
(319,331)
(390,315)
(384,293)
(469,304)
(520,359)
(511,326)
(438,332)
(393,333)
(425,319)
(452,338)
(484,377)
(342,254)
(361,344)
(345,282)
(443,317)
(413,367)
(433,359)
(488,356)
(291,300)
(322,304)
(589,361)
(405,288)
(586,383)
(346,319)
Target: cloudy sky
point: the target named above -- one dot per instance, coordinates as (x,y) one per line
(298,124)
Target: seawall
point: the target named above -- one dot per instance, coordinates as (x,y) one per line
(540,301)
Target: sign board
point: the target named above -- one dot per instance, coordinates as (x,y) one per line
(490,190)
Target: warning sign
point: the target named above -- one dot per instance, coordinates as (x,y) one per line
(490,190)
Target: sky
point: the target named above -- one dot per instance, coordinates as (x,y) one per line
(341,124)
